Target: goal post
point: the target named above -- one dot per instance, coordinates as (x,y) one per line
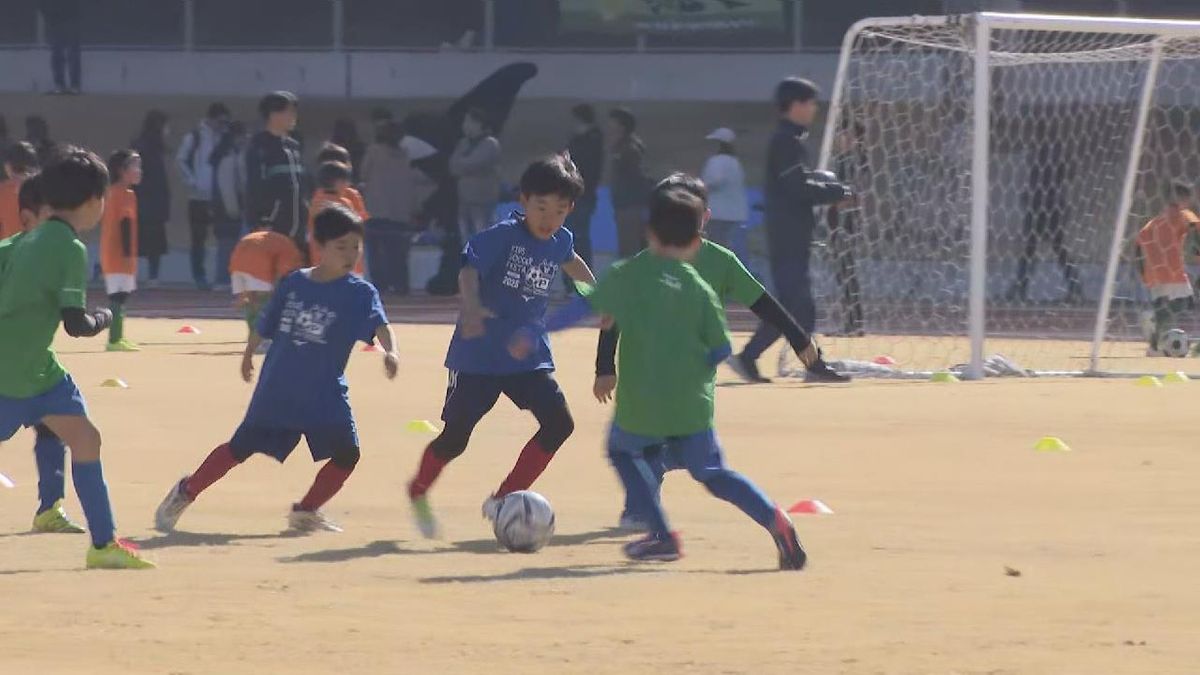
(1002,164)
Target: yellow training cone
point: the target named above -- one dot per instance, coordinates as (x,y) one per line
(944,377)
(1177,377)
(1148,381)
(115,382)
(1051,444)
(422,427)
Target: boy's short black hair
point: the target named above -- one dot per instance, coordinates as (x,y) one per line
(334,222)
(624,117)
(329,174)
(332,152)
(74,177)
(686,182)
(21,156)
(795,90)
(118,161)
(30,197)
(1179,190)
(277,101)
(584,112)
(218,109)
(676,216)
(552,175)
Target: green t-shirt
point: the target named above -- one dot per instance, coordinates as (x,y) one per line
(670,322)
(722,269)
(41,274)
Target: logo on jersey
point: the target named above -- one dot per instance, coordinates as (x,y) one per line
(528,277)
(305,323)
(670,281)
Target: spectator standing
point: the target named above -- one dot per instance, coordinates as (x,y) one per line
(628,182)
(726,182)
(64,27)
(792,191)
(153,193)
(476,164)
(229,197)
(345,134)
(388,186)
(275,171)
(586,147)
(37,132)
(195,164)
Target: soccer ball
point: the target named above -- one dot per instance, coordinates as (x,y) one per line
(525,522)
(1174,343)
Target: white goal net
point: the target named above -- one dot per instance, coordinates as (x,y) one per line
(1052,140)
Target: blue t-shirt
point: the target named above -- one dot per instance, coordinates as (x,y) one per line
(516,270)
(313,326)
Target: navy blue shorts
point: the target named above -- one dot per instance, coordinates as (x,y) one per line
(275,442)
(699,453)
(469,397)
(63,398)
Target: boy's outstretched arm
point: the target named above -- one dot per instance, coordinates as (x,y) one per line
(252,344)
(387,341)
(578,270)
(768,309)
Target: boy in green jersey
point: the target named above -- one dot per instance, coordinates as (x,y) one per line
(42,283)
(673,336)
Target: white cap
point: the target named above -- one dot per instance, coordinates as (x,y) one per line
(723,134)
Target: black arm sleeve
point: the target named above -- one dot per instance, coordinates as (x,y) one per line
(606,351)
(79,323)
(126,237)
(770,311)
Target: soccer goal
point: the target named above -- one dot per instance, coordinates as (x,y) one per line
(1003,164)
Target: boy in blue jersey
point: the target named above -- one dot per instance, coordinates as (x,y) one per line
(314,319)
(507,274)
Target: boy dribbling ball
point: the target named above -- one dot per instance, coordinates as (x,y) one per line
(314,319)
(673,336)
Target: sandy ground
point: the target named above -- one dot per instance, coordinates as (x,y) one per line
(936,490)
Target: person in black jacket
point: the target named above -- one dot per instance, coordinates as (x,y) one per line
(586,147)
(792,191)
(275,172)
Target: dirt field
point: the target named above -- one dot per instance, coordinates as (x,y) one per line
(936,490)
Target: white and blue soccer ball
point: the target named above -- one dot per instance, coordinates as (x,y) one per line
(525,522)
(1174,343)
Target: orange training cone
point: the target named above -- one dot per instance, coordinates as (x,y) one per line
(370,348)
(884,360)
(188,329)
(811,506)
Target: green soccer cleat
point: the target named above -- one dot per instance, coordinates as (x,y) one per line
(423,513)
(123,345)
(117,555)
(55,520)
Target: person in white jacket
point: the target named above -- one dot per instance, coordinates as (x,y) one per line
(195,166)
(726,181)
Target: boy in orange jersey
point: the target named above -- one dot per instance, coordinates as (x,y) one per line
(333,187)
(258,262)
(118,242)
(332,152)
(20,162)
(1160,245)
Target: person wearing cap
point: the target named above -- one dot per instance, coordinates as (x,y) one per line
(275,171)
(195,166)
(726,181)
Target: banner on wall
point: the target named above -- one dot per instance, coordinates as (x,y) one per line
(672,16)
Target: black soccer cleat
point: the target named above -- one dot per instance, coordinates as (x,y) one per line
(791,553)
(746,368)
